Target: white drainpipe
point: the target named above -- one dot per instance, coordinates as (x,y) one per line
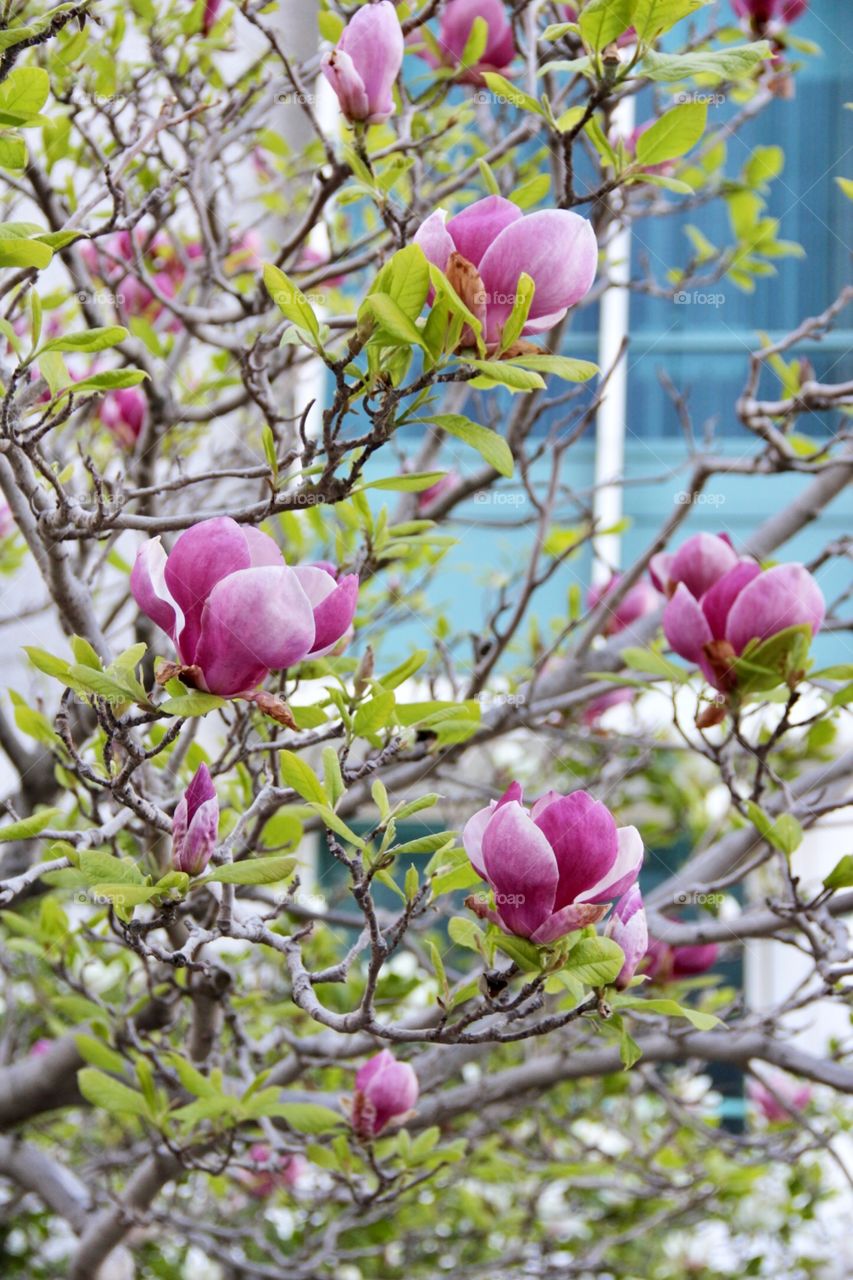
(610,422)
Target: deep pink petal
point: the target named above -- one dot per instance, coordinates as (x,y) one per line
(623,874)
(475,229)
(556,248)
(521,868)
(717,602)
(334,604)
(685,625)
(576,916)
(472,832)
(701,561)
(782,597)
(255,621)
(458,19)
(202,556)
(582,833)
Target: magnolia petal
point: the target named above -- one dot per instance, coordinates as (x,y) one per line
(685,625)
(149,590)
(556,248)
(575,916)
(521,868)
(340,71)
(717,602)
(701,561)
(202,556)
(582,833)
(625,869)
(474,229)
(472,832)
(255,621)
(782,597)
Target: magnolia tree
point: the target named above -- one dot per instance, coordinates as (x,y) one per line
(328,949)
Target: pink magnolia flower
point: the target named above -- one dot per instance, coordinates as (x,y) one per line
(40,1047)
(627,926)
(638,601)
(553,869)
(747,603)
(232,607)
(7,520)
(664,963)
(271,1172)
(195,825)
(596,707)
(123,413)
(485,248)
(457,22)
(385,1090)
(364,65)
(761,13)
(782,1099)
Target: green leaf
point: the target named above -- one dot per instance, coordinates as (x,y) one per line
(21,252)
(253,871)
(475,45)
(601,21)
(490,446)
(671,1009)
(727,64)
(374,715)
(91,340)
(465,933)
(517,318)
(332,776)
(519,950)
(23,93)
(109,1094)
(503,373)
(192,703)
(783,832)
(654,663)
(98,1054)
(26,828)
(673,134)
(503,88)
(393,322)
(190,1077)
(561,366)
(841,875)
(291,301)
(405,278)
(301,778)
(765,664)
(595,961)
(650,18)
(413,483)
(308,1117)
(97,865)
